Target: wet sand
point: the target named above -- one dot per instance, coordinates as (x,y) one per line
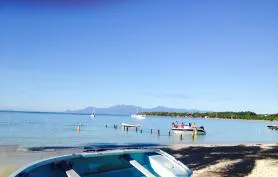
(204,160)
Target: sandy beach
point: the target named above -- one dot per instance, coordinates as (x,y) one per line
(205,160)
(252,160)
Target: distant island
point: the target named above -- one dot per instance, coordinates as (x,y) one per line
(128,110)
(125,110)
(121,110)
(247,115)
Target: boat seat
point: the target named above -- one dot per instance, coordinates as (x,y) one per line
(66,167)
(138,166)
(164,168)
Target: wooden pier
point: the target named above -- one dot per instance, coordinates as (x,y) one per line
(153,131)
(139,129)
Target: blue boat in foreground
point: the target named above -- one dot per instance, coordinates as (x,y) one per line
(106,163)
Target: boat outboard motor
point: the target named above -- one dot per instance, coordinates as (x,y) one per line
(202,127)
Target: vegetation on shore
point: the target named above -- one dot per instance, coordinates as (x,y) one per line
(224,115)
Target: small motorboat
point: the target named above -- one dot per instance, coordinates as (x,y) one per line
(189,129)
(130,125)
(138,116)
(273,127)
(93,115)
(108,163)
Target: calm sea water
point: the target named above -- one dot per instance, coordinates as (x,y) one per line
(37,129)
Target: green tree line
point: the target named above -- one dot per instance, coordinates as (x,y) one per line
(224,115)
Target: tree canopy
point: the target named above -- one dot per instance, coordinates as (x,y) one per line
(224,115)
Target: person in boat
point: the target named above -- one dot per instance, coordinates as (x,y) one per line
(189,124)
(177,124)
(182,125)
(173,125)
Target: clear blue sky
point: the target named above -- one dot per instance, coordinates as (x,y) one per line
(210,55)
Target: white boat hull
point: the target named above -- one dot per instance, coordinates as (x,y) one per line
(130,125)
(273,127)
(138,116)
(189,130)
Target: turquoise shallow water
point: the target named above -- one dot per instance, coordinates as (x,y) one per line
(39,129)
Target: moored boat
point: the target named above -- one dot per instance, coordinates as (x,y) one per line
(273,127)
(138,116)
(189,129)
(130,125)
(93,115)
(120,162)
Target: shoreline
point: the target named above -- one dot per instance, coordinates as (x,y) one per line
(215,118)
(203,159)
(23,148)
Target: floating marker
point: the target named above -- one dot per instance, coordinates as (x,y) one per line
(78,128)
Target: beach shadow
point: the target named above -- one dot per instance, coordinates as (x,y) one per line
(242,168)
(244,157)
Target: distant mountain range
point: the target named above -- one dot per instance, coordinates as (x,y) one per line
(128,109)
